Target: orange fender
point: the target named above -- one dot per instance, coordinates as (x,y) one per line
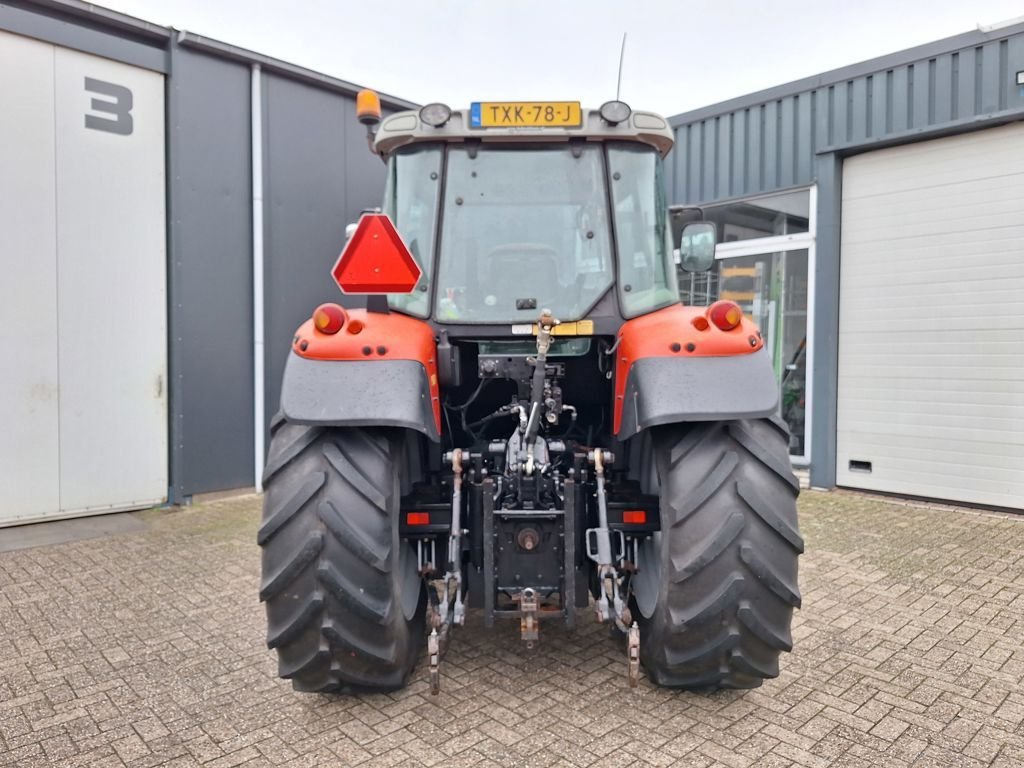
(687,389)
(370,338)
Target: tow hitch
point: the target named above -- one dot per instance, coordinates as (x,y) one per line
(528,629)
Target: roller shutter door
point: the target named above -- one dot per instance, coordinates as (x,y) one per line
(82,284)
(931,320)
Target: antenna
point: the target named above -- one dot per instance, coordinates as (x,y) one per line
(622,56)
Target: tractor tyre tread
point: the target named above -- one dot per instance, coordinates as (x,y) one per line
(728,555)
(330,581)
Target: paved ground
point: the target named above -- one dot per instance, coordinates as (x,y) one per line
(146,648)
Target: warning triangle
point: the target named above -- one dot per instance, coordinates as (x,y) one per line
(375,260)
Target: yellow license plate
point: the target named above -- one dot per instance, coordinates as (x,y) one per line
(525,114)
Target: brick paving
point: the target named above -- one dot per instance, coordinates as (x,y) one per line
(146,649)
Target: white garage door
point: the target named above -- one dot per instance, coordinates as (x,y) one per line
(931,320)
(82,284)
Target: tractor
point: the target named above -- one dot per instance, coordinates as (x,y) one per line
(525,422)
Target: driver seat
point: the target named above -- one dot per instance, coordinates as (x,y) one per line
(521,270)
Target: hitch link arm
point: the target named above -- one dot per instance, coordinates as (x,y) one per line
(434,657)
(610,606)
(445,614)
(633,651)
(453,572)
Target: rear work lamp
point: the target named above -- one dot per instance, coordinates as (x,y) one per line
(435,115)
(615,112)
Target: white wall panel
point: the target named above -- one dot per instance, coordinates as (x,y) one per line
(29,462)
(931,317)
(111,283)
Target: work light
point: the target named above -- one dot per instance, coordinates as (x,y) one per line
(435,114)
(615,112)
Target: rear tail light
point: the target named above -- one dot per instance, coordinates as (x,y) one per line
(329,318)
(417,518)
(726,315)
(634,516)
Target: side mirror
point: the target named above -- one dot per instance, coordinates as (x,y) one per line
(697,246)
(681,215)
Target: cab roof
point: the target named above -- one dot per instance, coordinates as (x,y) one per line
(403,128)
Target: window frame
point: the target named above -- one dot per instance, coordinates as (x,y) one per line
(612,223)
(669,263)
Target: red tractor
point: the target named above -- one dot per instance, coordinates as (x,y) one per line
(525,419)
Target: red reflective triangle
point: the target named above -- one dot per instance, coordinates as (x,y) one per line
(376,260)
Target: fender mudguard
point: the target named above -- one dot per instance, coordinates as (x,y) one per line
(666,390)
(380,369)
(385,393)
(673,365)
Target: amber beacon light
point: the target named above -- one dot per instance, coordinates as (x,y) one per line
(368,107)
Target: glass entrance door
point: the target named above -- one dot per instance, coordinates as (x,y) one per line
(772,289)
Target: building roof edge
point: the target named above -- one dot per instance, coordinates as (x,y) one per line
(974,37)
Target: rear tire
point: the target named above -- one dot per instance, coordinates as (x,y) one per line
(716,587)
(343,598)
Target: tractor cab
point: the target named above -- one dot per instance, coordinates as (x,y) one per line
(514,207)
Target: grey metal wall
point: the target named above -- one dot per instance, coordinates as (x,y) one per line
(318,175)
(210,273)
(797,134)
(769,140)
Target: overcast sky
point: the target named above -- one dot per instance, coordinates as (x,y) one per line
(680,54)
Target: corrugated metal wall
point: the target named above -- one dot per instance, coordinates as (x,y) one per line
(737,149)
(210,273)
(319,174)
(799,133)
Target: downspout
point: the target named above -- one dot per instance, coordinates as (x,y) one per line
(259,424)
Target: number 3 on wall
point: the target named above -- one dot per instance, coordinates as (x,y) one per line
(121,107)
